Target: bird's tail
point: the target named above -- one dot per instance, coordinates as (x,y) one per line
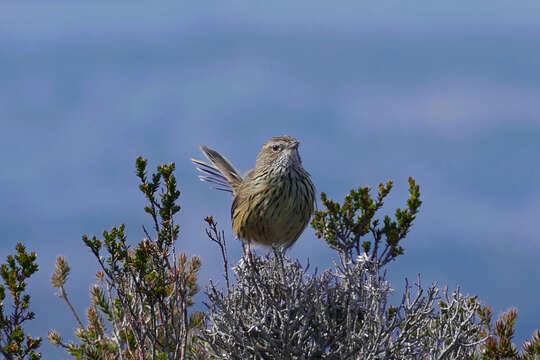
(221,173)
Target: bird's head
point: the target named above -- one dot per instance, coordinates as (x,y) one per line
(279,153)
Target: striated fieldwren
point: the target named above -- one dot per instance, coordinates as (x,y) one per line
(273,203)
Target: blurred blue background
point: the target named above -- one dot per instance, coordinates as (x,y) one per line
(446,92)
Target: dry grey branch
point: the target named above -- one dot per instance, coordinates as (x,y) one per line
(281,311)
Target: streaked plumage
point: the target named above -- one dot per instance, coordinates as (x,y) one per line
(273,203)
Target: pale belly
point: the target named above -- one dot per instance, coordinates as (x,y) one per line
(272,217)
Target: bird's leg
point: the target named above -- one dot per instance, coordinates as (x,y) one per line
(279,253)
(248,256)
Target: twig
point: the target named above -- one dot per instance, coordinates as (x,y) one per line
(64,296)
(219,238)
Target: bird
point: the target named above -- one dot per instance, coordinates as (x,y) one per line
(273,203)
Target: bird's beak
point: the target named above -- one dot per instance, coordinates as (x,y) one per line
(295,144)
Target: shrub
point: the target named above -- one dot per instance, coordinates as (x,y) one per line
(14,343)
(143,293)
(278,310)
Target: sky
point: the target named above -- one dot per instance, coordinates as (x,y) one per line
(446,92)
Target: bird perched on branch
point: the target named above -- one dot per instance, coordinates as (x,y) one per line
(273,203)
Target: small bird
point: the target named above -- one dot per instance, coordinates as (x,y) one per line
(273,203)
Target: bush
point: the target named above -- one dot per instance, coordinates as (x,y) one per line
(143,293)
(277,310)
(14,343)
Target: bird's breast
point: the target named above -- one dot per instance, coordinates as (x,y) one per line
(272,212)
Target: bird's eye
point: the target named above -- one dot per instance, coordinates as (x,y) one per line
(276,147)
